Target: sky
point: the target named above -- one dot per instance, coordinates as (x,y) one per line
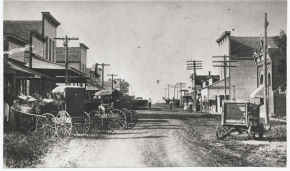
(148,41)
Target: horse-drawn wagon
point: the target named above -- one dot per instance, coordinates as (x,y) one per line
(67,113)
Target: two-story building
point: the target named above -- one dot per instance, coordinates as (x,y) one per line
(38,36)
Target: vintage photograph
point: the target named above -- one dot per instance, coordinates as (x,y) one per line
(134,84)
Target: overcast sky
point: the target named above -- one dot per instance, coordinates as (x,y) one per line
(149,41)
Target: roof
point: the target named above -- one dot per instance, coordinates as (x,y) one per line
(22,29)
(22,70)
(50,18)
(224,34)
(41,64)
(219,84)
(244,47)
(258,92)
(19,70)
(74,54)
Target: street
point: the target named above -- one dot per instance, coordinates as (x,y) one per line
(161,139)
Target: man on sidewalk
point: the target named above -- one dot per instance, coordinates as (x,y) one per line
(149,103)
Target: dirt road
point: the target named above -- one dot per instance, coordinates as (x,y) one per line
(160,139)
(152,142)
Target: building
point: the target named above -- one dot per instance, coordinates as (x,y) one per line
(276,76)
(37,37)
(246,77)
(212,95)
(77,57)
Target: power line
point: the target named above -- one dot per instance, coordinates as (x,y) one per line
(225,63)
(194,65)
(103,71)
(65,40)
(112,75)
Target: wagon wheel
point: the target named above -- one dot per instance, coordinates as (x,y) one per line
(220,132)
(251,132)
(122,120)
(223,131)
(63,124)
(86,123)
(49,125)
(40,125)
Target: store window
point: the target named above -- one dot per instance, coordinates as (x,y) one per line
(269,79)
(261,80)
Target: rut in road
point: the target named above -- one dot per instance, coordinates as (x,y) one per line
(153,142)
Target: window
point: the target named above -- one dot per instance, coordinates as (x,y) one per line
(46,49)
(269,79)
(261,79)
(53,51)
(49,49)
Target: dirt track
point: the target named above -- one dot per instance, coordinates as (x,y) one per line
(159,139)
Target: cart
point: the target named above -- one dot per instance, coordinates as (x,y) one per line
(114,114)
(241,117)
(73,119)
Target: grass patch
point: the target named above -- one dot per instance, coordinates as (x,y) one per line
(24,150)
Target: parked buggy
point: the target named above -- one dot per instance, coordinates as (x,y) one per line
(240,117)
(113,112)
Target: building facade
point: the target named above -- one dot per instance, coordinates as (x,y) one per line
(77,57)
(276,77)
(38,38)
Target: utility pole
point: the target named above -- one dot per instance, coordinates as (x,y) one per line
(194,65)
(65,40)
(112,75)
(266,104)
(225,64)
(103,71)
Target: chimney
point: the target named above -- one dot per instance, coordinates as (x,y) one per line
(209,74)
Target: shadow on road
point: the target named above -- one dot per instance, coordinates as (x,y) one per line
(140,137)
(179,116)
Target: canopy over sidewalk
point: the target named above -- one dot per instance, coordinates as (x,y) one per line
(58,71)
(258,92)
(24,72)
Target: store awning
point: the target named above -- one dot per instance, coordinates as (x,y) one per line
(58,71)
(258,92)
(103,93)
(23,72)
(13,68)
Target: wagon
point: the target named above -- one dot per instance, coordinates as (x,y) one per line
(241,117)
(116,113)
(72,119)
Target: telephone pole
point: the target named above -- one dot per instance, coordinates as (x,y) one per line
(225,64)
(112,75)
(266,104)
(194,65)
(65,40)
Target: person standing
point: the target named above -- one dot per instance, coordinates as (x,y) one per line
(149,103)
